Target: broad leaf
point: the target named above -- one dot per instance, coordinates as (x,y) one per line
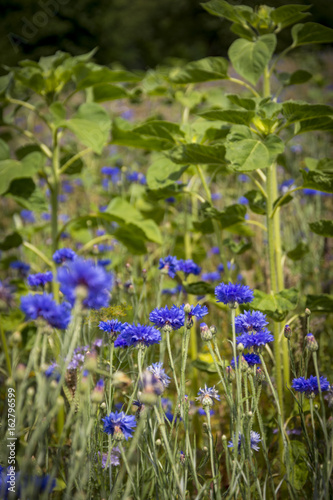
(145,136)
(323,228)
(237,247)
(304,34)
(108,92)
(12,169)
(320,303)
(122,211)
(198,154)
(243,102)
(89,74)
(13,240)
(236,116)
(322,181)
(277,305)
(4,150)
(164,173)
(289,14)
(299,251)
(249,59)
(199,288)
(231,215)
(91,125)
(222,8)
(204,70)
(257,201)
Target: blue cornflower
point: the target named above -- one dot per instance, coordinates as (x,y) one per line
(230,266)
(169,265)
(171,199)
(78,357)
(188,267)
(114,457)
(40,279)
(104,262)
(136,177)
(150,385)
(213,276)
(52,372)
(104,248)
(45,216)
(173,291)
(310,385)
(254,438)
(62,198)
(255,340)
(43,306)
(242,200)
(251,359)
(22,267)
(250,321)
(119,425)
(113,172)
(214,251)
(63,254)
(197,311)
(285,186)
(243,178)
(202,412)
(112,327)
(230,293)
(28,216)
(35,485)
(206,395)
(67,187)
(173,317)
(128,114)
(6,293)
(216,196)
(132,335)
(157,370)
(100,232)
(84,273)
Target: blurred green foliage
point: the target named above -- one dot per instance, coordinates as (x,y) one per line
(137,34)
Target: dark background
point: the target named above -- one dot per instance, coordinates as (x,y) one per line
(139,34)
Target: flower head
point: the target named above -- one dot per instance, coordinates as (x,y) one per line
(132,335)
(83,273)
(250,321)
(188,267)
(231,293)
(206,395)
(43,306)
(114,457)
(22,267)
(112,327)
(119,425)
(251,359)
(197,311)
(63,254)
(40,279)
(52,372)
(310,386)
(173,317)
(213,276)
(254,438)
(157,370)
(28,216)
(6,293)
(169,265)
(256,339)
(151,386)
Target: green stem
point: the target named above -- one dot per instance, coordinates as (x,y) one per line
(211,452)
(167,333)
(5,349)
(55,191)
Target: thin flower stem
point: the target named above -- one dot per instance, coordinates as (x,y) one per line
(220,375)
(211,452)
(123,456)
(167,334)
(168,450)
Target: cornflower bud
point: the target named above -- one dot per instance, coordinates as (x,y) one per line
(311,342)
(287,332)
(230,373)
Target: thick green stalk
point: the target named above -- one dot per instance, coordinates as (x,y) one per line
(55,191)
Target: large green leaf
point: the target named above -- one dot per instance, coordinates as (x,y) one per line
(249,59)
(322,181)
(13,240)
(123,212)
(204,70)
(198,154)
(304,34)
(257,201)
(164,173)
(231,215)
(236,116)
(247,153)
(147,136)
(309,116)
(221,8)
(299,251)
(89,74)
(108,92)
(320,303)
(243,102)
(12,169)
(4,150)
(277,305)
(289,14)
(322,227)
(199,288)
(91,124)
(297,78)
